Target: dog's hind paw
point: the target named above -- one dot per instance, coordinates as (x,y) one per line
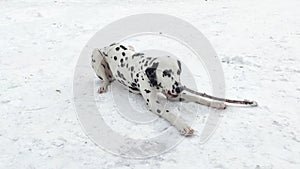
(102,89)
(187,131)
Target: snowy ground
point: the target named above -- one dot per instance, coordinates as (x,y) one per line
(257,42)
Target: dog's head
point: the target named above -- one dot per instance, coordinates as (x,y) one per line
(172,79)
(169,81)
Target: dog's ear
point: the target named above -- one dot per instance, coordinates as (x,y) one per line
(131,48)
(151,74)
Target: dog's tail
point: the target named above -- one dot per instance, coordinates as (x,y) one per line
(245,102)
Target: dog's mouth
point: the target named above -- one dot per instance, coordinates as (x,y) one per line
(173,95)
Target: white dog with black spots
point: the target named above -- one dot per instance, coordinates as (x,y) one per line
(147,76)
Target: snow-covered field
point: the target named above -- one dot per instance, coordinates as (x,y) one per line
(257,42)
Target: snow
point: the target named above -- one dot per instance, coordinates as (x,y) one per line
(257,43)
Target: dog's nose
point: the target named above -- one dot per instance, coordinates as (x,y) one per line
(178,89)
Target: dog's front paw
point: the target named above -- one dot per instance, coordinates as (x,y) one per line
(218,105)
(187,131)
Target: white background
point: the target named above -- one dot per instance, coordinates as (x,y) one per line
(257,42)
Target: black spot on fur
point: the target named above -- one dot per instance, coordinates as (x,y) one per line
(147,91)
(112,44)
(137,54)
(181,99)
(155,65)
(159,85)
(152,61)
(146,63)
(167,110)
(121,75)
(99,77)
(122,82)
(147,100)
(179,67)
(158,111)
(167,73)
(134,88)
(115,57)
(151,74)
(93,60)
(103,65)
(117,48)
(123,47)
(132,68)
(123,53)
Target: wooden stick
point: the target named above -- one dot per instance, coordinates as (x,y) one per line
(245,102)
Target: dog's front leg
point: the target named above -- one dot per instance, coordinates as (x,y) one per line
(150,95)
(190,97)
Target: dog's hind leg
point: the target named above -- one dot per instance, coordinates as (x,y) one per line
(101,69)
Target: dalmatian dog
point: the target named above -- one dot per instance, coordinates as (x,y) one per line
(147,76)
